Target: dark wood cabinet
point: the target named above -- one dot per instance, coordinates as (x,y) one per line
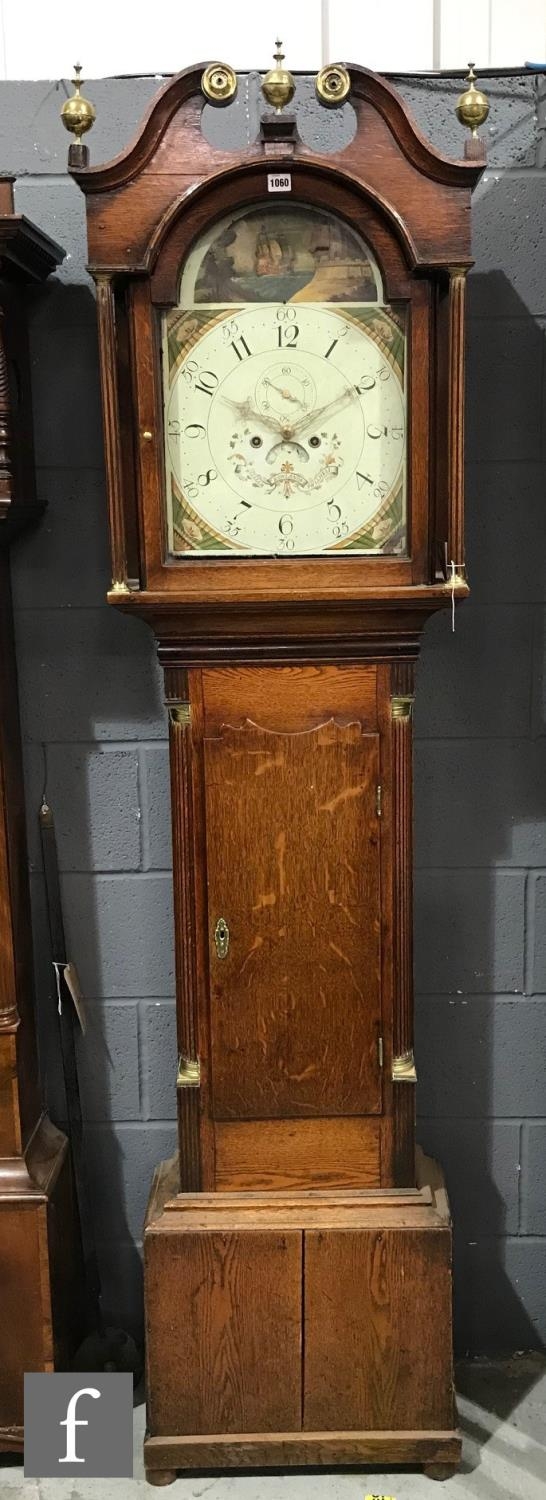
(38,1219)
(282,380)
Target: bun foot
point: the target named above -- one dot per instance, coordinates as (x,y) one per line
(160,1476)
(440,1471)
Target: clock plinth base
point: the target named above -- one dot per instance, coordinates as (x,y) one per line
(438,1453)
(41,1313)
(236,1286)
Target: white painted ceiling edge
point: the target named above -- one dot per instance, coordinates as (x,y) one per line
(44,42)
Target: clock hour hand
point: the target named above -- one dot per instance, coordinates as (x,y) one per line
(246,412)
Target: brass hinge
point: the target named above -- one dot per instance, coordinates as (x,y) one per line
(380,1051)
(403,1068)
(378,793)
(189,1073)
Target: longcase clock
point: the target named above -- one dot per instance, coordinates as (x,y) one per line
(281,345)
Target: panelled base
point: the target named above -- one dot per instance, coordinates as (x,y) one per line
(299,1328)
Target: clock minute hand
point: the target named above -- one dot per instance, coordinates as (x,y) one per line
(323,411)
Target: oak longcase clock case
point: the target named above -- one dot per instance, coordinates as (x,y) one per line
(282,376)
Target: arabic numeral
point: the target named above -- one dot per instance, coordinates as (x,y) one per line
(381,489)
(230,330)
(174,427)
(383,373)
(397,432)
(232,528)
(201,380)
(365,383)
(286,527)
(240,347)
(201,482)
(287,330)
(207,382)
(195,430)
(287,335)
(339,526)
(190,370)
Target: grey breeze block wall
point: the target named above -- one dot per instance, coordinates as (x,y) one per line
(94,732)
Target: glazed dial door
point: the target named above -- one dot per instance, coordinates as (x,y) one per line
(285,429)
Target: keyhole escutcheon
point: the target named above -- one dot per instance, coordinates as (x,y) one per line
(221,937)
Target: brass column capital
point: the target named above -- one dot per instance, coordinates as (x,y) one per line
(179,713)
(402,706)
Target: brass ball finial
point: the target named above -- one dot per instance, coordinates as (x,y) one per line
(78,115)
(278,85)
(472,106)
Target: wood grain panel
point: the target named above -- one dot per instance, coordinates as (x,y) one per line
(299,699)
(273,1154)
(26,1341)
(382,1358)
(224,1343)
(10,1126)
(293,867)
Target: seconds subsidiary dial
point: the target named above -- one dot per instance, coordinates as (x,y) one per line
(285,431)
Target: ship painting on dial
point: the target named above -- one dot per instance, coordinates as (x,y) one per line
(285,420)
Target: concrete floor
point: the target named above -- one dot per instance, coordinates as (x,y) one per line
(502,1409)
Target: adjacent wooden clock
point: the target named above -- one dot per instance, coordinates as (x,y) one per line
(40,1262)
(281,343)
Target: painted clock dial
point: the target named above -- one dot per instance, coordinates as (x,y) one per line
(285,422)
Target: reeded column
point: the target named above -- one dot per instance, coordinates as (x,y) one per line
(6,472)
(112,430)
(188,1080)
(403,1070)
(457,300)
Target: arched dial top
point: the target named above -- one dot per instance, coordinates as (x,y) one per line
(285,415)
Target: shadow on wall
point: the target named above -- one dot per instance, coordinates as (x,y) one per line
(480,771)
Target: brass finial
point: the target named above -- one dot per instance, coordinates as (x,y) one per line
(278,85)
(78,115)
(219,83)
(333,85)
(472,106)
